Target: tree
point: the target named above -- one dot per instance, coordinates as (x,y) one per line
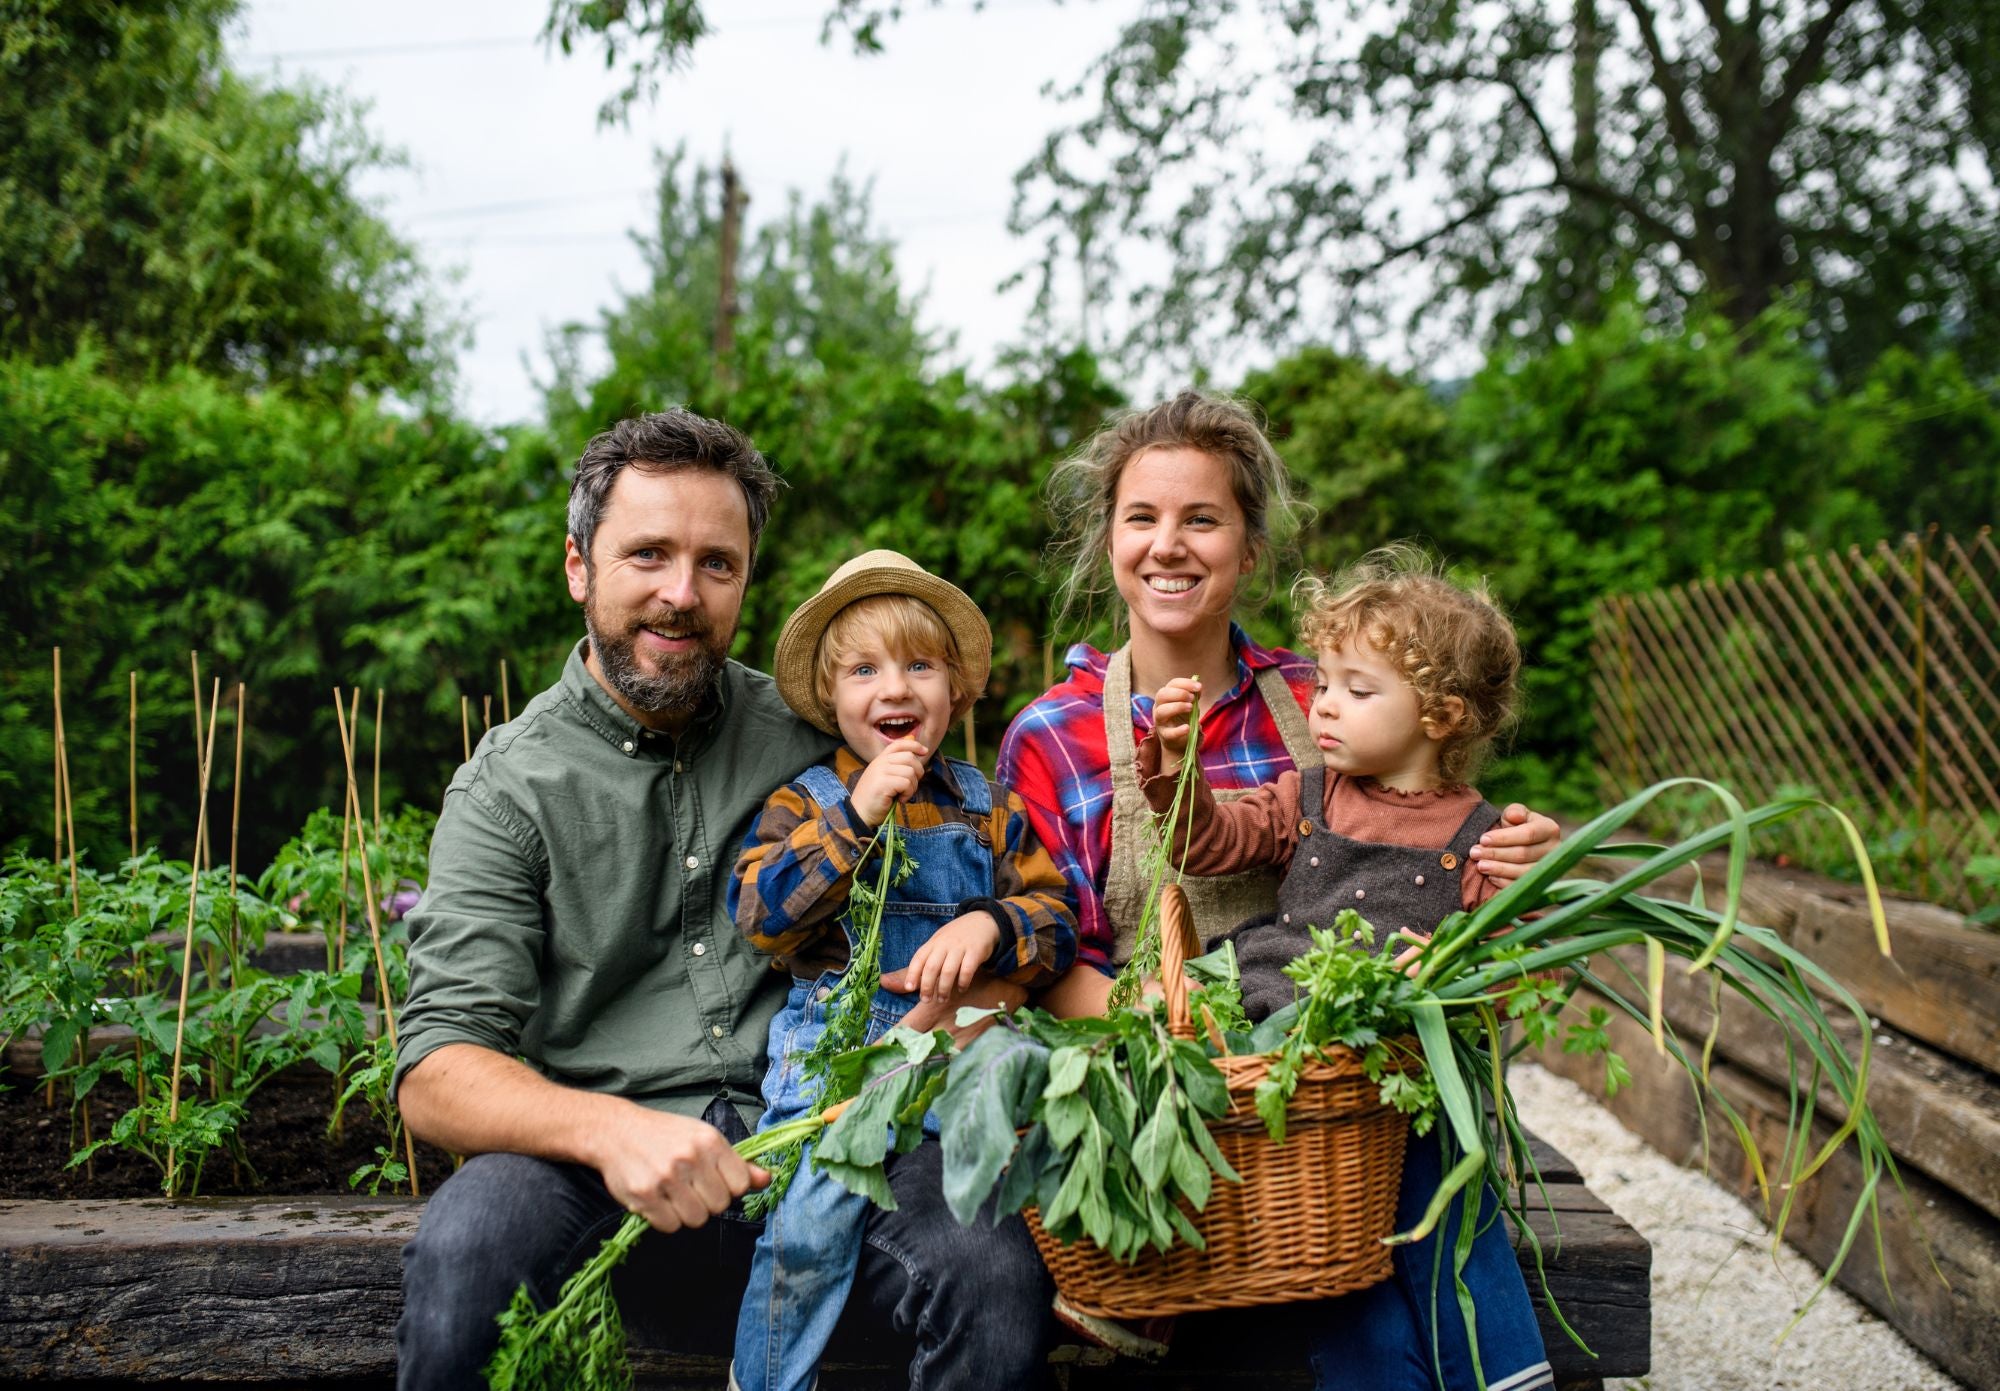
(155,204)
(829,371)
(1290,158)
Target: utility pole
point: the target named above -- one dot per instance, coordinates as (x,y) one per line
(733,201)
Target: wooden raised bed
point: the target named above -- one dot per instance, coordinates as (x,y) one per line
(1935,1014)
(306,1291)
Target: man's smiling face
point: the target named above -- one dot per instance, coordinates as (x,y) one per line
(663,588)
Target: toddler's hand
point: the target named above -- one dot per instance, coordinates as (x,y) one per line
(890,778)
(1173,708)
(1408,957)
(947,963)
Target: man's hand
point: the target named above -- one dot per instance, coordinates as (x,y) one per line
(678,1172)
(1173,710)
(890,777)
(946,964)
(1511,848)
(674,1171)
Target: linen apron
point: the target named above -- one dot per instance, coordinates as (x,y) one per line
(1219,901)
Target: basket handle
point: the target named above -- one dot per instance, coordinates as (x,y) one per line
(1178,942)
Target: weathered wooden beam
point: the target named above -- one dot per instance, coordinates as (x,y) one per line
(308,1291)
(1956,1324)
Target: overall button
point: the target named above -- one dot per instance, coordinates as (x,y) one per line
(627,746)
(1361,893)
(1449,861)
(1305,828)
(822,992)
(1315,862)
(1420,881)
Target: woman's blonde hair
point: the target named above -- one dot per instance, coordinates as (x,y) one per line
(906,627)
(1083,489)
(1449,642)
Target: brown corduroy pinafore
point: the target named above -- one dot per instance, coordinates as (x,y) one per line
(1393,886)
(1220,901)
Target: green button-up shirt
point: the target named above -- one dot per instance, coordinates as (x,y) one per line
(577,914)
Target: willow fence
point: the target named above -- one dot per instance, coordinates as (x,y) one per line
(1865,677)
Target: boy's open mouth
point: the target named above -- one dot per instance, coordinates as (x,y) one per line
(897,727)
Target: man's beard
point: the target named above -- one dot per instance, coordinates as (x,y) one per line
(683,679)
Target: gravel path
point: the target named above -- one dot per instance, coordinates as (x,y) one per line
(1719,1299)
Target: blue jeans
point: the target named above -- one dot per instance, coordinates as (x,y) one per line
(1380,1338)
(804,1264)
(966,1306)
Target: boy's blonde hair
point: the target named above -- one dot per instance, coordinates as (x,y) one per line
(906,627)
(1448,642)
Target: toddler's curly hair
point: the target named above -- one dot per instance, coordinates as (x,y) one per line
(1448,641)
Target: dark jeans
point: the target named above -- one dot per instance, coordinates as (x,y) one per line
(966,1306)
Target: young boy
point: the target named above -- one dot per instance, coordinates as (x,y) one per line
(889,657)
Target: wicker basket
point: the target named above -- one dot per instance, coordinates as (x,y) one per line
(1307,1221)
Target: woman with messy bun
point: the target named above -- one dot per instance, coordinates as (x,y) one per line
(1174,508)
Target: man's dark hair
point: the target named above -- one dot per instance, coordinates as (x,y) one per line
(666,442)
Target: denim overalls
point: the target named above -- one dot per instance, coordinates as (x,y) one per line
(805,1258)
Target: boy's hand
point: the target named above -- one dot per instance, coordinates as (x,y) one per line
(947,963)
(890,778)
(1173,708)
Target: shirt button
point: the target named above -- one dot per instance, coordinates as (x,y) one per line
(716,1030)
(627,746)
(700,950)
(691,862)
(677,765)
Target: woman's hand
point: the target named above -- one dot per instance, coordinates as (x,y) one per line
(1511,848)
(1173,710)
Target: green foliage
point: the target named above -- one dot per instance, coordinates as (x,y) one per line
(852,1006)
(296,546)
(157,204)
(832,377)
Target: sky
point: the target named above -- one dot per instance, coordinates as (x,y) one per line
(514,187)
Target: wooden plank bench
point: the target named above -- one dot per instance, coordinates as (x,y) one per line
(305,1293)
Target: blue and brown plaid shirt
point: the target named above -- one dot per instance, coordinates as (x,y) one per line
(793,873)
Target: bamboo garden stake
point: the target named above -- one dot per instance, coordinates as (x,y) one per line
(486,711)
(465,725)
(65,804)
(201,859)
(385,999)
(132,762)
(506,704)
(377,790)
(187,948)
(235,817)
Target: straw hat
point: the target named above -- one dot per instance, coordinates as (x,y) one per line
(871,573)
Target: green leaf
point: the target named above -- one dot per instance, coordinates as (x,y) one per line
(991,1093)
(1067,1067)
(1154,1150)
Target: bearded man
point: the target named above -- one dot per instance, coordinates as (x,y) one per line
(584,1021)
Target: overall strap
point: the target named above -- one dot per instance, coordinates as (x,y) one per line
(823,785)
(975,794)
(1312,792)
(1477,823)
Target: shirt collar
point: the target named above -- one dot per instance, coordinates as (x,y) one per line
(1251,657)
(616,727)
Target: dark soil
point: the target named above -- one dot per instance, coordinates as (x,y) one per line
(285,1147)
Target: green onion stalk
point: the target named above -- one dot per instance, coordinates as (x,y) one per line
(1494,963)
